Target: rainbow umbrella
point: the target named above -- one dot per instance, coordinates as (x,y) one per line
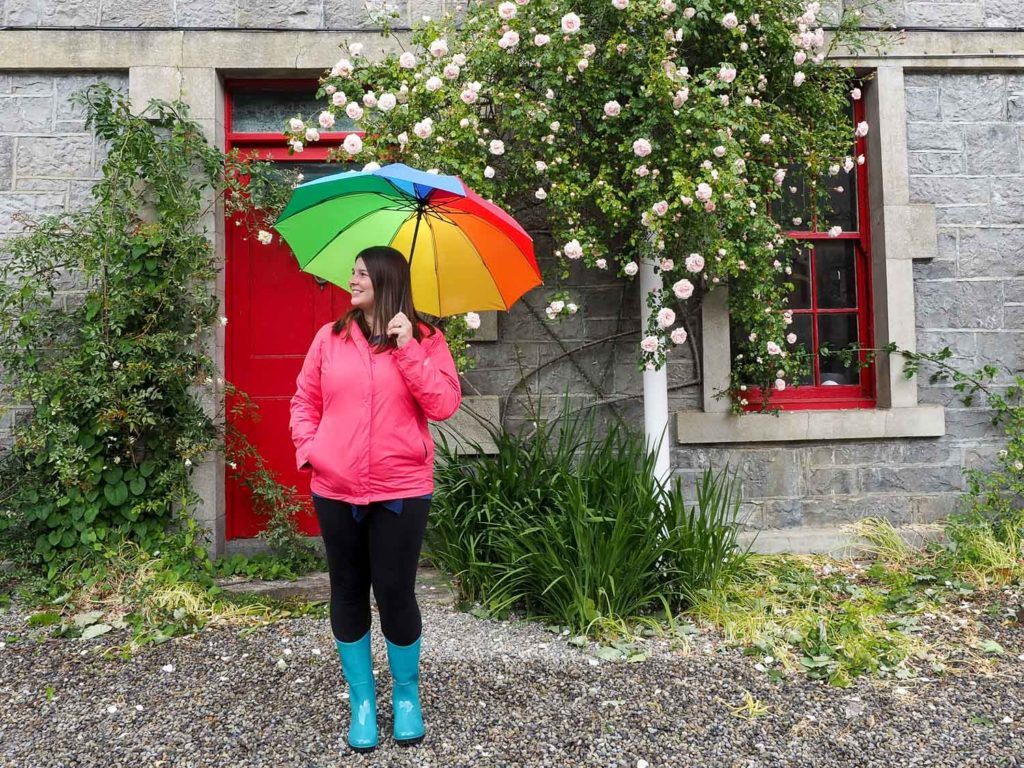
(465,253)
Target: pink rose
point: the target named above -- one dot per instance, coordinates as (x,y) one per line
(694,263)
(571,23)
(641,147)
(729,21)
(353,144)
(612,108)
(679,336)
(660,207)
(666,317)
(649,344)
(407,60)
(683,289)
(727,73)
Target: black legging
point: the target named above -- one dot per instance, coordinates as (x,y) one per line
(382,550)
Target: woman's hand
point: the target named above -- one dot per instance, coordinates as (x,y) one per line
(401,329)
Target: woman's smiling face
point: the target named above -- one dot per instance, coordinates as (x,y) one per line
(361,287)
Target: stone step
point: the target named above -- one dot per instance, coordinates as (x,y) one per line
(431,587)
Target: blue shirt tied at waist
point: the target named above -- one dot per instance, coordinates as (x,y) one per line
(395,505)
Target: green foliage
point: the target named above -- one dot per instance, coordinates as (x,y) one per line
(550,129)
(571,526)
(115,379)
(112,378)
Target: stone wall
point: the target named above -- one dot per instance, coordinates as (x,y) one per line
(351,14)
(48,161)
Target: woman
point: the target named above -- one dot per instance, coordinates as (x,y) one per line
(359,418)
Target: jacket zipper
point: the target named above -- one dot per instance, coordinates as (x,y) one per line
(369,429)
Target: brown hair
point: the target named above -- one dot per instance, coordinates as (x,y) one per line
(392,293)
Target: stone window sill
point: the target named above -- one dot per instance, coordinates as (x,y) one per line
(700,427)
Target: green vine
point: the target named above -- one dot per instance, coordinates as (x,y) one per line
(114,377)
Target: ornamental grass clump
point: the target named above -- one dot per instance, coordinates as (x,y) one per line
(570,526)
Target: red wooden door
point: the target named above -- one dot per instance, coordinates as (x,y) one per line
(274,310)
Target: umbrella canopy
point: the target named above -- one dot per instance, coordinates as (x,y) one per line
(465,253)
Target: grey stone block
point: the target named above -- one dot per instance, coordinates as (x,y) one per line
(935,163)
(1015,109)
(968,215)
(971,423)
(41,185)
(21,13)
(80,194)
(1014,291)
(941,15)
(26,114)
(934,269)
(932,136)
(1005,349)
(280,14)
(31,205)
(877,13)
(64,156)
(351,14)
(31,84)
(773,473)
(992,149)
(963,345)
(950,190)
(6,161)
(202,13)
(922,103)
(973,98)
(137,13)
(1007,204)
(830,481)
(1004,13)
(974,304)
(991,252)
(912,479)
(70,13)
(935,507)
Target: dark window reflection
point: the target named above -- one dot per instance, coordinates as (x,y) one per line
(837,331)
(835,274)
(267,110)
(800,296)
(801,326)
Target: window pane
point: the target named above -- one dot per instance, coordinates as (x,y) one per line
(267,110)
(312,171)
(835,274)
(842,195)
(800,296)
(837,332)
(802,328)
(791,209)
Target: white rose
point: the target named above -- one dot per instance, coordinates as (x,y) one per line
(433,83)
(488,172)
(354,111)
(265,237)
(386,102)
(573,249)
(353,144)
(473,320)
(326,120)
(497,147)
(312,134)
(407,60)
(439,48)
(631,268)
(571,23)
(683,289)
(339,99)
(612,108)
(295,124)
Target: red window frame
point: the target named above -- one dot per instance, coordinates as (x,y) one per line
(863,394)
(272,146)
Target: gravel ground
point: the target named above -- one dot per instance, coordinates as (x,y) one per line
(495,694)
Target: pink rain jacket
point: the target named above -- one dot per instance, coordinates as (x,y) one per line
(359,419)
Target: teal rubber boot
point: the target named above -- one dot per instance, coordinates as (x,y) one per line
(404,661)
(357,666)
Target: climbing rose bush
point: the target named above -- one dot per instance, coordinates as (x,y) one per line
(644,130)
